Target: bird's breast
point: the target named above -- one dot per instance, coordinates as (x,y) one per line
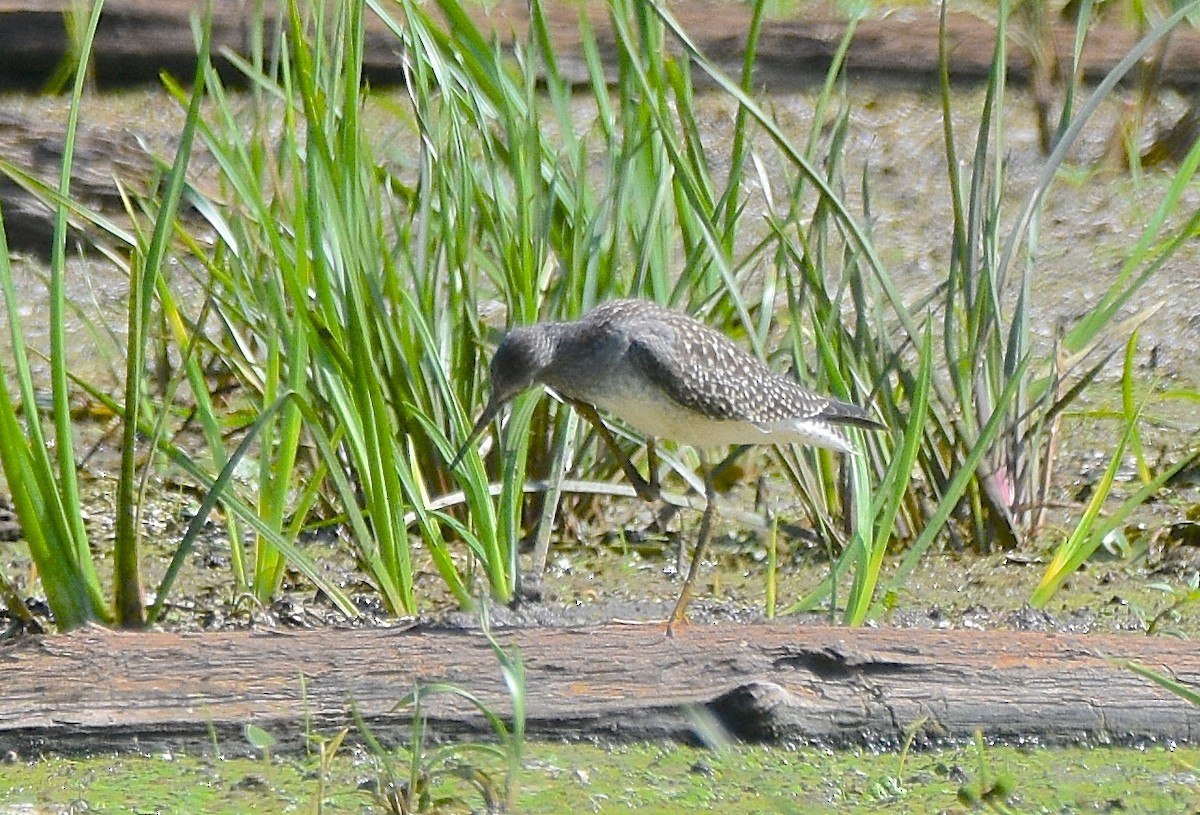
(650,411)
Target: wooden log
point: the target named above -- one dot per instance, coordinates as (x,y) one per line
(102,152)
(139,38)
(102,690)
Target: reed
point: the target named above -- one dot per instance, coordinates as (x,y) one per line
(354,285)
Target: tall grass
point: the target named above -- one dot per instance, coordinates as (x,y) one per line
(347,278)
(983,435)
(42,475)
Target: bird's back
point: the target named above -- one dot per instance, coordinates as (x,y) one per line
(671,376)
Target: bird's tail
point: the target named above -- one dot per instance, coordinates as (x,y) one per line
(844,413)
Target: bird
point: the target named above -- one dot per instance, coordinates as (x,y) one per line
(668,376)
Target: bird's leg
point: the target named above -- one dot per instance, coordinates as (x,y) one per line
(679,614)
(666,511)
(652,467)
(710,496)
(649,490)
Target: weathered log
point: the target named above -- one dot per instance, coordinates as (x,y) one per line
(100,690)
(139,38)
(102,153)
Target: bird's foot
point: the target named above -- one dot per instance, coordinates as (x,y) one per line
(530,589)
(673,624)
(679,613)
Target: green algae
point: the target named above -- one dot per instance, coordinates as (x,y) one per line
(644,778)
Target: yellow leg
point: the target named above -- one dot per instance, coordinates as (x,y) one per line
(679,614)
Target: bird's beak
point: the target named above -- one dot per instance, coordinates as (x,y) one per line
(489,413)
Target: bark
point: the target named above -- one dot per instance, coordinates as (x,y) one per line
(139,38)
(97,689)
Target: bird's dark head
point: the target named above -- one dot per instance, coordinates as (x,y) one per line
(518,364)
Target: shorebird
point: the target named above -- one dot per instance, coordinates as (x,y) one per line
(668,376)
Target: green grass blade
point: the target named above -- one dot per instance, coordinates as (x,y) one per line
(1185,692)
(144,281)
(959,483)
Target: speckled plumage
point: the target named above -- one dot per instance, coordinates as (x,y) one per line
(668,376)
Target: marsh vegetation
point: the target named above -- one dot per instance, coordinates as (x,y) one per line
(266,362)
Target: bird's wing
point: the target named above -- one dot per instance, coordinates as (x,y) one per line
(705,372)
